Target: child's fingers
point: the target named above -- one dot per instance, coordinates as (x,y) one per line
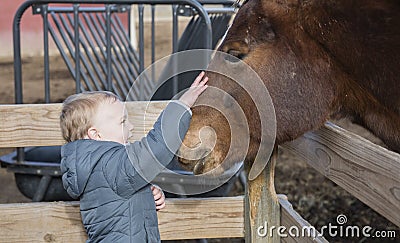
(204,81)
(201,89)
(158,207)
(157,196)
(198,79)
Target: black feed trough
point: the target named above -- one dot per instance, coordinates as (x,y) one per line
(38,177)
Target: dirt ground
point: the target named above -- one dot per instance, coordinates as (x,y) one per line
(317,199)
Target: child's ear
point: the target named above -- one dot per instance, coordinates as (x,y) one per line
(93,134)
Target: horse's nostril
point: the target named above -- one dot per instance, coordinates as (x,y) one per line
(199,167)
(234,56)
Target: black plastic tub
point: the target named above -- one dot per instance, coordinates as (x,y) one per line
(38,177)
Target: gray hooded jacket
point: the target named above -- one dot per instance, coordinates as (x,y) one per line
(112,180)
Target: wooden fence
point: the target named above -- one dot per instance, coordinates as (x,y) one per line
(38,125)
(367,171)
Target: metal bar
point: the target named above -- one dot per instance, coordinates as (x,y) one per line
(46,55)
(133,55)
(174,48)
(101,28)
(42,188)
(129,58)
(73,53)
(108,47)
(153,36)
(77,52)
(20,155)
(66,9)
(128,14)
(121,54)
(87,34)
(195,23)
(99,38)
(226,10)
(94,31)
(123,82)
(61,49)
(89,68)
(64,38)
(194,3)
(133,59)
(119,74)
(141,49)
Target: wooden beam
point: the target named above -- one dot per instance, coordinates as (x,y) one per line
(290,218)
(368,171)
(262,205)
(38,124)
(29,125)
(189,218)
(181,219)
(202,218)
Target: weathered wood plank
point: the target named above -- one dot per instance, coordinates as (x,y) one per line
(202,218)
(262,205)
(181,219)
(292,221)
(368,171)
(220,217)
(29,125)
(38,124)
(41,222)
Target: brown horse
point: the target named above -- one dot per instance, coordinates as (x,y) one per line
(319,60)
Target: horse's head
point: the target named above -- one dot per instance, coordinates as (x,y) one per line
(253,39)
(309,54)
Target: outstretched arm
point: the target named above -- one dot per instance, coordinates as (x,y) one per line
(154,152)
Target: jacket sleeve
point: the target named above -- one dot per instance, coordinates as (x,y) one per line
(143,160)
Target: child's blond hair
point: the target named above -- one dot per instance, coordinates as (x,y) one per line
(78,111)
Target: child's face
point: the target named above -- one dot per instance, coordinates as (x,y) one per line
(111,123)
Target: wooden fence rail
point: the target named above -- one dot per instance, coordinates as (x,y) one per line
(182,219)
(367,171)
(39,125)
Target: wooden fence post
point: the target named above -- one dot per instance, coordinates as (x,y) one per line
(262,211)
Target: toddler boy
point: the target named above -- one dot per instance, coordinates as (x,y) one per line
(105,172)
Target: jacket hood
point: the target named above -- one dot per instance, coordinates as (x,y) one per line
(78,160)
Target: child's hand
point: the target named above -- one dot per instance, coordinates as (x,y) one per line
(159,197)
(198,86)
